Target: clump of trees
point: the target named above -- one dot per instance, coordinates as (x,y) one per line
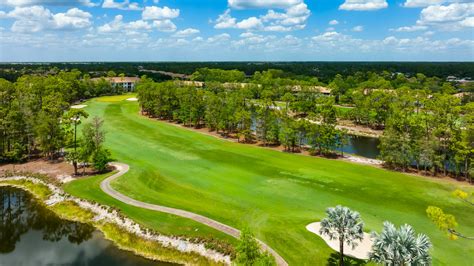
(391,247)
(248,113)
(34,114)
(218,75)
(430,132)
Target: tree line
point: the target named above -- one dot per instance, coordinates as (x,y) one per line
(238,113)
(426,125)
(325,71)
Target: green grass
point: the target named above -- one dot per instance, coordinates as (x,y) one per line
(89,189)
(116,98)
(71,211)
(275,194)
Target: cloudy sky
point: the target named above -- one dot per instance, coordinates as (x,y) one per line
(190,30)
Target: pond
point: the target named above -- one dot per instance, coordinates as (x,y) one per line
(357,145)
(30,234)
(362,146)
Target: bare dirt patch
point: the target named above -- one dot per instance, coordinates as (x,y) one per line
(59,169)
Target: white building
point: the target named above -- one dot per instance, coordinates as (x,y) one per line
(127,83)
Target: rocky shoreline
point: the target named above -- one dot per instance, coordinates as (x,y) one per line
(110,215)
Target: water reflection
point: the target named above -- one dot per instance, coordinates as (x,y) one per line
(32,235)
(362,146)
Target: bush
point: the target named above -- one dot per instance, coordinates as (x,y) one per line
(100,159)
(248,251)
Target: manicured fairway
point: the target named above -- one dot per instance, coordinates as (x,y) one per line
(274,193)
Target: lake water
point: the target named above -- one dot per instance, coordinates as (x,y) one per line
(362,146)
(30,234)
(357,145)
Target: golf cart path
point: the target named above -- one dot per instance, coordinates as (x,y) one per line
(122,168)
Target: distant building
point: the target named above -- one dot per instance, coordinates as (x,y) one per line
(127,83)
(320,89)
(458,80)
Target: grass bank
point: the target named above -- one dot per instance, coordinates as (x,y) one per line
(273,193)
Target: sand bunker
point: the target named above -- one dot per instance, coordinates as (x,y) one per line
(361,251)
(79,106)
(132,99)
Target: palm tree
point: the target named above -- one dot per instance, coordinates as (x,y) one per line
(400,247)
(345,225)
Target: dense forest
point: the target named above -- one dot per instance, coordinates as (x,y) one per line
(324,71)
(36,119)
(427,122)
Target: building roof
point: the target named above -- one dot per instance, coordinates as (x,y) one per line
(119,79)
(320,89)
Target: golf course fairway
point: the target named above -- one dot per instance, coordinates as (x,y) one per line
(273,193)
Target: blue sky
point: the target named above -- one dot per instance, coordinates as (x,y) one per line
(216,30)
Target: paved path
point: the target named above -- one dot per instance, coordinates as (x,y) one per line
(123,168)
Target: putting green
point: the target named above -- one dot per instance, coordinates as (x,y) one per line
(274,193)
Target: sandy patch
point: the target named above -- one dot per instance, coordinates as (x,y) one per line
(133,99)
(361,251)
(362,160)
(79,106)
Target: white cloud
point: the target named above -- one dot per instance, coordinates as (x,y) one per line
(138,25)
(114,26)
(358,28)
(467,22)
(158,13)
(118,26)
(225,21)
(410,28)
(73,19)
(294,17)
(246,4)
(38,18)
(451,17)
(164,25)
(333,22)
(363,5)
(186,33)
(218,39)
(335,43)
(425,3)
(249,24)
(327,36)
(125,5)
(22,3)
(452,12)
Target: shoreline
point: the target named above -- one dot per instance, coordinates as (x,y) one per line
(115,226)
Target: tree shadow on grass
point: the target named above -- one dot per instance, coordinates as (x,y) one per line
(333,260)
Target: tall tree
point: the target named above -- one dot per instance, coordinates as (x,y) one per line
(73,116)
(344,225)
